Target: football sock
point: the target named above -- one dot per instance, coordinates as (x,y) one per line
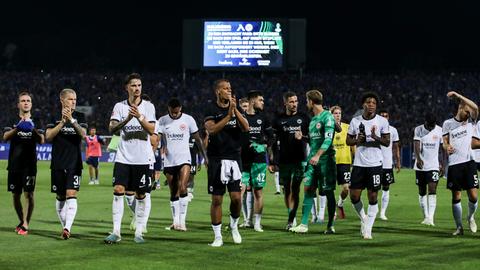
(432,204)
(385,201)
(183,203)
(117,212)
(60,207)
(140,216)
(472,207)
(457,213)
(330,206)
(307,206)
(424,205)
(71,211)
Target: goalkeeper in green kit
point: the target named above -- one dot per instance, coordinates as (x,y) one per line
(321,168)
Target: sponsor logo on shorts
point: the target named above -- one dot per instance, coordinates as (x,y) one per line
(54,188)
(12,186)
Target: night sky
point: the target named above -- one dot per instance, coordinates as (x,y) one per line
(340,34)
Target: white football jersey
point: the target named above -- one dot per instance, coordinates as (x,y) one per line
(477,151)
(368,156)
(387,152)
(430,141)
(134,147)
(177,135)
(460,137)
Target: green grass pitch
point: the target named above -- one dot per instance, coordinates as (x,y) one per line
(399,243)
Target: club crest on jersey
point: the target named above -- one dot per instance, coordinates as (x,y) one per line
(259,121)
(337,137)
(435,137)
(318,125)
(299,121)
(183,127)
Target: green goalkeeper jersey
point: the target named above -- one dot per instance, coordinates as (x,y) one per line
(321,131)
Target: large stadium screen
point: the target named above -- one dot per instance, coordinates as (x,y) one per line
(243,44)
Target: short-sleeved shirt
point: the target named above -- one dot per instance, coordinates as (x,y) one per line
(387,152)
(22,156)
(343,153)
(290,150)
(226,143)
(259,125)
(66,146)
(460,137)
(430,141)
(477,136)
(134,147)
(177,135)
(321,130)
(369,153)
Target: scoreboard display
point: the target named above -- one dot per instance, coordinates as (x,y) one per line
(243,44)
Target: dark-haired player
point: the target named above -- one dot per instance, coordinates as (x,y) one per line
(391,155)
(224,124)
(135,119)
(66,167)
(289,128)
(462,172)
(427,139)
(177,127)
(254,152)
(368,132)
(22,161)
